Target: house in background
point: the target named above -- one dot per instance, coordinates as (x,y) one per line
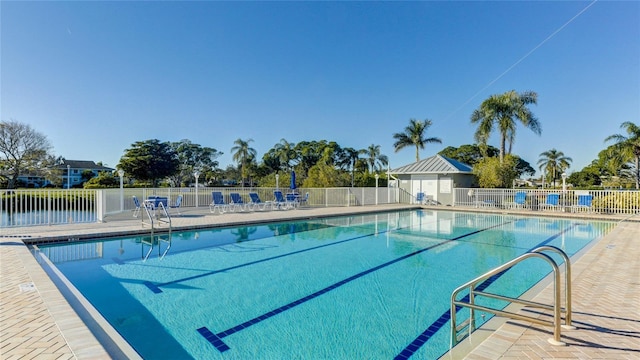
(72,171)
(436,177)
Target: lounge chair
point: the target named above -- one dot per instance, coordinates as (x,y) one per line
(136,202)
(237,203)
(217,202)
(177,205)
(304,200)
(281,202)
(519,200)
(584,203)
(552,202)
(256,203)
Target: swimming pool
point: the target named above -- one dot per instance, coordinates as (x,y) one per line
(366,286)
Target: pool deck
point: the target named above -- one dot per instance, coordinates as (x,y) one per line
(36,322)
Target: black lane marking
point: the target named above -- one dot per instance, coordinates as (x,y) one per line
(156,287)
(217,342)
(417,343)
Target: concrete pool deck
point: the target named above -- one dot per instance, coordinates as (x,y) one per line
(36,322)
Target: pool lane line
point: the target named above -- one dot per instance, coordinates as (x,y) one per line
(417,343)
(156,287)
(216,339)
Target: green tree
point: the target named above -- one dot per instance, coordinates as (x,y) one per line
(629,147)
(375,159)
(104,179)
(501,111)
(286,153)
(193,157)
(414,135)
(587,177)
(23,149)
(350,157)
(149,160)
(554,162)
(243,154)
(87,175)
(324,175)
(492,173)
(469,154)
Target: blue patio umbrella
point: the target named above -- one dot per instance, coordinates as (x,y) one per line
(293,180)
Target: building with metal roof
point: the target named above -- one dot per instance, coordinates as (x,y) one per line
(435,177)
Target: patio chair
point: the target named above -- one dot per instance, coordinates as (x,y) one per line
(237,203)
(420,198)
(292,199)
(304,200)
(217,202)
(552,202)
(256,203)
(177,205)
(584,203)
(520,199)
(281,202)
(136,202)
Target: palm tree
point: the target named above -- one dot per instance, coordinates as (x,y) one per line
(414,135)
(374,158)
(243,154)
(629,146)
(502,111)
(286,153)
(555,162)
(349,157)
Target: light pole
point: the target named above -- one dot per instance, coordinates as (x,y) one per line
(197,175)
(564,190)
(277,181)
(121,174)
(68,177)
(377,177)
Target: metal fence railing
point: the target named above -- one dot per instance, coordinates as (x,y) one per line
(47,207)
(596,201)
(31,207)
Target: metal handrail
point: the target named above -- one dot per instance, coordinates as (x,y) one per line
(470,323)
(152,237)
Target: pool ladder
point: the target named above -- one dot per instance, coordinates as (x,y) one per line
(458,331)
(152,213)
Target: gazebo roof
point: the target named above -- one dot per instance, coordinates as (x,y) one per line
(436,164)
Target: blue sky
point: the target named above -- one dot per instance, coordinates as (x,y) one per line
(94,77)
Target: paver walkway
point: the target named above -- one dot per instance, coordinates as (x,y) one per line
(606,309)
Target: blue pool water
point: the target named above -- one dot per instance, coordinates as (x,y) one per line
(361,287)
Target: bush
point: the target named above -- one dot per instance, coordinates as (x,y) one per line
(622,200)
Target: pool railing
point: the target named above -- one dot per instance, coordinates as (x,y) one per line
(476,288)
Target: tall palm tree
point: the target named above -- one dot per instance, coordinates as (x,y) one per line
(555,162)
(414,135)
(349,157)
(375,159)
(286,153)
(629,146)
(501,111)
(243,154)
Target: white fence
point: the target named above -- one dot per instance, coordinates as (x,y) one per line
(596,201)
(50,207)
